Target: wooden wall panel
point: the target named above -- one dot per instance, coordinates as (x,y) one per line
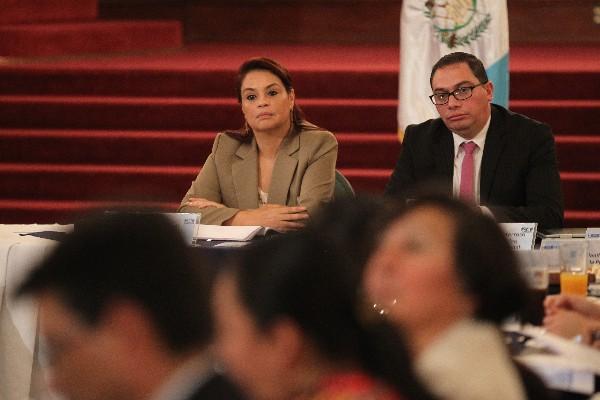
(553,21)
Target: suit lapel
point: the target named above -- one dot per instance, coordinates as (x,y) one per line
(444,157)
(494,143)
(284,170)
(245,175)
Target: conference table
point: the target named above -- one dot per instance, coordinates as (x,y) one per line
(22,247)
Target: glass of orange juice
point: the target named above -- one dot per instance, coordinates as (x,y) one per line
(573,273)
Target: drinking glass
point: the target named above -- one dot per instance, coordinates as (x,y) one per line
(573,273)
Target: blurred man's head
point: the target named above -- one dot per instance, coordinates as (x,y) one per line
(121,306)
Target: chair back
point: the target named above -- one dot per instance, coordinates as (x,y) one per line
(343,188)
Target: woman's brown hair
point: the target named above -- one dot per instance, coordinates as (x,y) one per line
(299,123)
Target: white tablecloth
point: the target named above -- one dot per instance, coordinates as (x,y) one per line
(20,372)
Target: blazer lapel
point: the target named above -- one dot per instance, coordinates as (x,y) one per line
(245,175)
(494,143)
(444,158)
(284,170)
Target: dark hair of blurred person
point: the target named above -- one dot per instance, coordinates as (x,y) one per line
(353,225)
(290,326)
(445,274)
(124,313)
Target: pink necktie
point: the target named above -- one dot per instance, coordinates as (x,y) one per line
(467,175)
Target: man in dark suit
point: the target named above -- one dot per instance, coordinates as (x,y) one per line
(124,314)
(479,151)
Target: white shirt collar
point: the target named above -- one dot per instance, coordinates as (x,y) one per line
(479,139)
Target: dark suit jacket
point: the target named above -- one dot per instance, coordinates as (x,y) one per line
(217,387)
(519,172)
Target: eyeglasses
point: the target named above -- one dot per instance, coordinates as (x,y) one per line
(461,93)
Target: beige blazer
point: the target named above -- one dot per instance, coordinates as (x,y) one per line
(303,174)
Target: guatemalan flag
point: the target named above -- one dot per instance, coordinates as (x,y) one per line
(430,29)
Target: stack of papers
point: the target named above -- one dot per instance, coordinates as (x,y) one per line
(561,363)
(565,233)
(234,233)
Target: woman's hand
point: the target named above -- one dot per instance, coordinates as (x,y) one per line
(579,304)
(274,216)
(199,202)
(567,324)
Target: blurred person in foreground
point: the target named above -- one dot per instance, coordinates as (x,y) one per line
(277,170)
(445,274)
(572,316)
(289,326)
(124,314)
(353,225)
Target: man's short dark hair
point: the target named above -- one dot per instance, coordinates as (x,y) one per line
(135,257)
(459,57)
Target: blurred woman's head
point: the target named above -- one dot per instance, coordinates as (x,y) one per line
(284,302)
(440,261)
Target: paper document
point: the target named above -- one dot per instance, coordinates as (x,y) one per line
(565,233)
(236,233)
(561,363)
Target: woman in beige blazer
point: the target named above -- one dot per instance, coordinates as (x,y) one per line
(277,170)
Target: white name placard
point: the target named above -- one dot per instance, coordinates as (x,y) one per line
(186,222)
(594,254)
(592,233)
(521,236)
